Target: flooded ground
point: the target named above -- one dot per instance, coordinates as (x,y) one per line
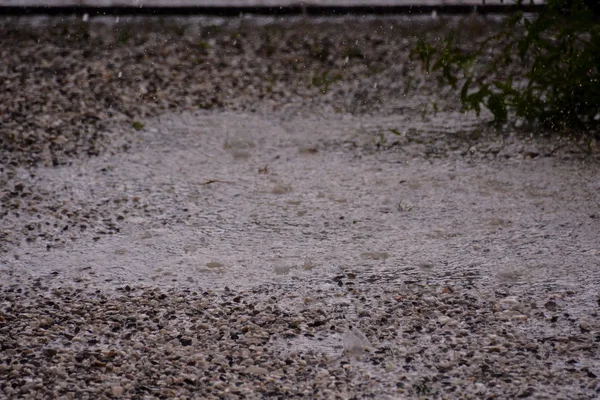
(292,237)
(333,219)
(233,199)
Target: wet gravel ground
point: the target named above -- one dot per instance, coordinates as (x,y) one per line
(64,81)
(405,340)
(99,126)
(72,89)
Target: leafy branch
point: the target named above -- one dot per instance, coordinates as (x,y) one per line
(544,70)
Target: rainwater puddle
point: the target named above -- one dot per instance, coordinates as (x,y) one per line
(224,199)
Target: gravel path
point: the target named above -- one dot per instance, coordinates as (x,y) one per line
(235,209)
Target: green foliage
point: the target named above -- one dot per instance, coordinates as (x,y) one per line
(204,45)
(544,70)
(137,125)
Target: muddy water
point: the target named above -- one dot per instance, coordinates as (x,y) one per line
(224,199)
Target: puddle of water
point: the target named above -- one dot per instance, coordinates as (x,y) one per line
(199,214)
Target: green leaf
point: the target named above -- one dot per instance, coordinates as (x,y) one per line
(496,104)
(465,90)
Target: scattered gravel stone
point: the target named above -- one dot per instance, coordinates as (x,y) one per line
(152,342)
